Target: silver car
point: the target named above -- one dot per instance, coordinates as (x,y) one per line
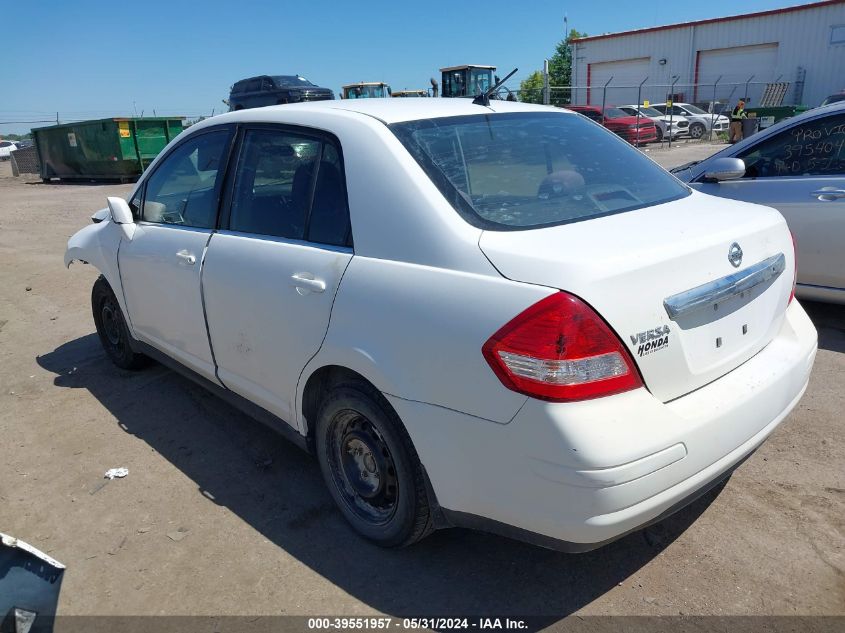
(798,167)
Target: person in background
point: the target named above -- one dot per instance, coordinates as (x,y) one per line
(737,115)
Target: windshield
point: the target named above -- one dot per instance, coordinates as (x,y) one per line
(834,99)
(614,113)
(528,170)
(291,80)
(693,109)
(650,112)
(366,92)
(479,81)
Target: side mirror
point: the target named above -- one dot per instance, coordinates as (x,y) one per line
(725,169)
(120,211)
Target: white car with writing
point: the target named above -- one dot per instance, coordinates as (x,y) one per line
(498,316)
(798,167)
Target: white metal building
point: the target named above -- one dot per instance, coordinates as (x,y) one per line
(730,57)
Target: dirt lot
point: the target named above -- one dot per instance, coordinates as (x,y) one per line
(220,516)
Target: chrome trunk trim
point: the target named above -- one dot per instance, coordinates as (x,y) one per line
(715,292)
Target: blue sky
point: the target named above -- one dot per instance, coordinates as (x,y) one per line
(93,59)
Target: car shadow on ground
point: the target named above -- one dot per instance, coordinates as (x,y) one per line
(278,490)
(829,319)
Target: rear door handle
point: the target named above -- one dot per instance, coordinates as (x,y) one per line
(307,283)
(828,194)
(187,257)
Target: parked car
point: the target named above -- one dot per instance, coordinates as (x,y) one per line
(266,90)
(6,149)
(798,167)
(699,120)
(714,107)
(554,340)
(662,123)
(635,131)
(835,98)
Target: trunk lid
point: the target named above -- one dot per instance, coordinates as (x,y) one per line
(639,267)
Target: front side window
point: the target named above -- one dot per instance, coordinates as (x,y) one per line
(291,186)
(527,170)
(184,189)
(814,148)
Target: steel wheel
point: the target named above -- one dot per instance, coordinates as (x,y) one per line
(370,466)
(111,327)
(110,315)
(363,470)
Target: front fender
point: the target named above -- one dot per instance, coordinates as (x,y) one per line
(98,245)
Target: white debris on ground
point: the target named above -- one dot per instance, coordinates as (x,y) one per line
(113,473)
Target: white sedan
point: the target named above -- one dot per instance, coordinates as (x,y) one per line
(6,149)
(663,122)
(798,167)
(500,316)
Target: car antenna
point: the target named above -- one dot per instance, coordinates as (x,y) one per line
(483,99)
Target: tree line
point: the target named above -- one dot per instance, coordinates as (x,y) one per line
(560,74)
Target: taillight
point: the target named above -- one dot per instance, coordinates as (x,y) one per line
(559,349)
(794,269)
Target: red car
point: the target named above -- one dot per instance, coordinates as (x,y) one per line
(627,126)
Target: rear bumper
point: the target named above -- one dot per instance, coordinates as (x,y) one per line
(575,476)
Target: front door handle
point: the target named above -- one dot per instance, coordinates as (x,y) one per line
(305,283)
(187,257)
(828,194)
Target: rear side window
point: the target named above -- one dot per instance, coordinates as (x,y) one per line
(528,170)
(291,186)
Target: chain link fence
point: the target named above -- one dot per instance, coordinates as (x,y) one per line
(709,103)
(25,161)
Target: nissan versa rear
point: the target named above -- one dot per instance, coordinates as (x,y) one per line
(502,317)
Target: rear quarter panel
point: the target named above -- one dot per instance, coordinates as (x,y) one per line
(416,332)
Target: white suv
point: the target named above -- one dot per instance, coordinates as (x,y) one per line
(700,121)
(502,317)
(678,124)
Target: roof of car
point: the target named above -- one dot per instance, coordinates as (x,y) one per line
(392,110)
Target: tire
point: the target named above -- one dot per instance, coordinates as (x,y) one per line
(111,327)
(659,134)
(697,130)
(371,468)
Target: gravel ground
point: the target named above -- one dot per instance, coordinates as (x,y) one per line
(220,516)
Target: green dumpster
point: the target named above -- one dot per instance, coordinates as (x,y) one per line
(770,115)
(103,149)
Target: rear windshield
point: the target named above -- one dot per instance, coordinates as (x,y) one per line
(528,170)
